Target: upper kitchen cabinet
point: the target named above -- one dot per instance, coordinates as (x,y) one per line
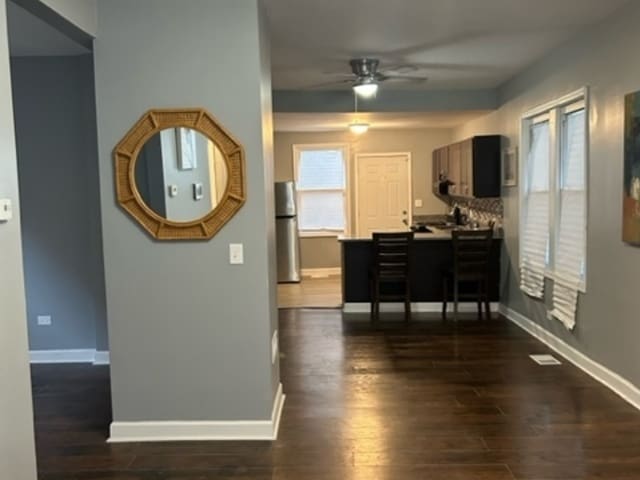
(470,168)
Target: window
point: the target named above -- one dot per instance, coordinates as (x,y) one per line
(554,202)
(534,246)
(570,249)
(321,183)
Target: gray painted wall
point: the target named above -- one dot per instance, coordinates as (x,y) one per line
(54,109)
(607,327)
(81,13)
(324,252)
(150,175)
(17,450)
(186,329)
(390,101)
(268,206)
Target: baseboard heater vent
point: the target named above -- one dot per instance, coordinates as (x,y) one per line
(545,360)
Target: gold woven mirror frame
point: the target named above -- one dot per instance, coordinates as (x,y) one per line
(126,155)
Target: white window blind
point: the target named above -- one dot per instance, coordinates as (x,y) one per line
(553,230)
(570,248)
(535,227)
(321,183)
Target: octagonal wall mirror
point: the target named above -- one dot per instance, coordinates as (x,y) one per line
(179,174)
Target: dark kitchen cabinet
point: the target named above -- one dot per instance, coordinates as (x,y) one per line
(440,168)
(472,167)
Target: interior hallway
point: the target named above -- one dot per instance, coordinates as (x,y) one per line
(425,401)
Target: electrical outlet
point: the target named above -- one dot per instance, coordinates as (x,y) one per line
(418,202)
(236,254)
(44,320)
(274,347)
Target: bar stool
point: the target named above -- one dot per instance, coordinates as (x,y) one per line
(471,253)
(391,267)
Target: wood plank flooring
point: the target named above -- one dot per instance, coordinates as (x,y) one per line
(311,292)
(425,401)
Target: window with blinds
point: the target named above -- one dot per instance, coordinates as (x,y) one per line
(534,246)
(321,182)
(569,267)
(554,203)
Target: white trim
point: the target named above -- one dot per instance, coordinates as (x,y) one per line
(616,383)
(162,431)
(356,183)
(62,356)
(320,233)
(567,99)
(88,355)
(101,358)
(418,307)
(553,112)
(321,272)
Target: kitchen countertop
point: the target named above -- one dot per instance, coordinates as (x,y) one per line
(436,234)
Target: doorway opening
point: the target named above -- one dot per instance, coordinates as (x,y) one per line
(54,109)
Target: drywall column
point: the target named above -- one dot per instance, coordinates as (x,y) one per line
(17,451)
(189,334)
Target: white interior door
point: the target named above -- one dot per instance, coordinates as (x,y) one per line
(383,199)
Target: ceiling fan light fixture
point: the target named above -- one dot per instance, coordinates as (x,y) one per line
(366,87)
(358,128)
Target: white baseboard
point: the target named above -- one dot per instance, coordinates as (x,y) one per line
(619,385)
(62,356)
(101,358)
(321,272)
(88,355)
(418,307)
(163,431)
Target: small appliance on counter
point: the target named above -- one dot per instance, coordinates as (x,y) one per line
(287,244)
(420,228)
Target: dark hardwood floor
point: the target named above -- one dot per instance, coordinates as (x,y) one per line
(424,401)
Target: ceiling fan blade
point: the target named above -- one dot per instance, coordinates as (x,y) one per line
(336,83)
(339,75)
(383,77)
(408,68)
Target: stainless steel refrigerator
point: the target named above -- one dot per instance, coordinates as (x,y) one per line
(287,244)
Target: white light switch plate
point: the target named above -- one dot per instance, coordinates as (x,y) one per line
(44,320)
(6,212)
(236,254)
(418,202)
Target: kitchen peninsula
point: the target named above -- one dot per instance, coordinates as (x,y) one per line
(432,256)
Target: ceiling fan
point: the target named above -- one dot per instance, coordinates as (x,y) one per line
(365,76)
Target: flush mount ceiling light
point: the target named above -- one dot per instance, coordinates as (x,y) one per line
(366,87)
(358,128)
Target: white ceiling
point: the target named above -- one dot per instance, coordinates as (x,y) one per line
(329,122)
(29,36)
(456,43)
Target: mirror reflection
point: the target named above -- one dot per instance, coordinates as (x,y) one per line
(181,174)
